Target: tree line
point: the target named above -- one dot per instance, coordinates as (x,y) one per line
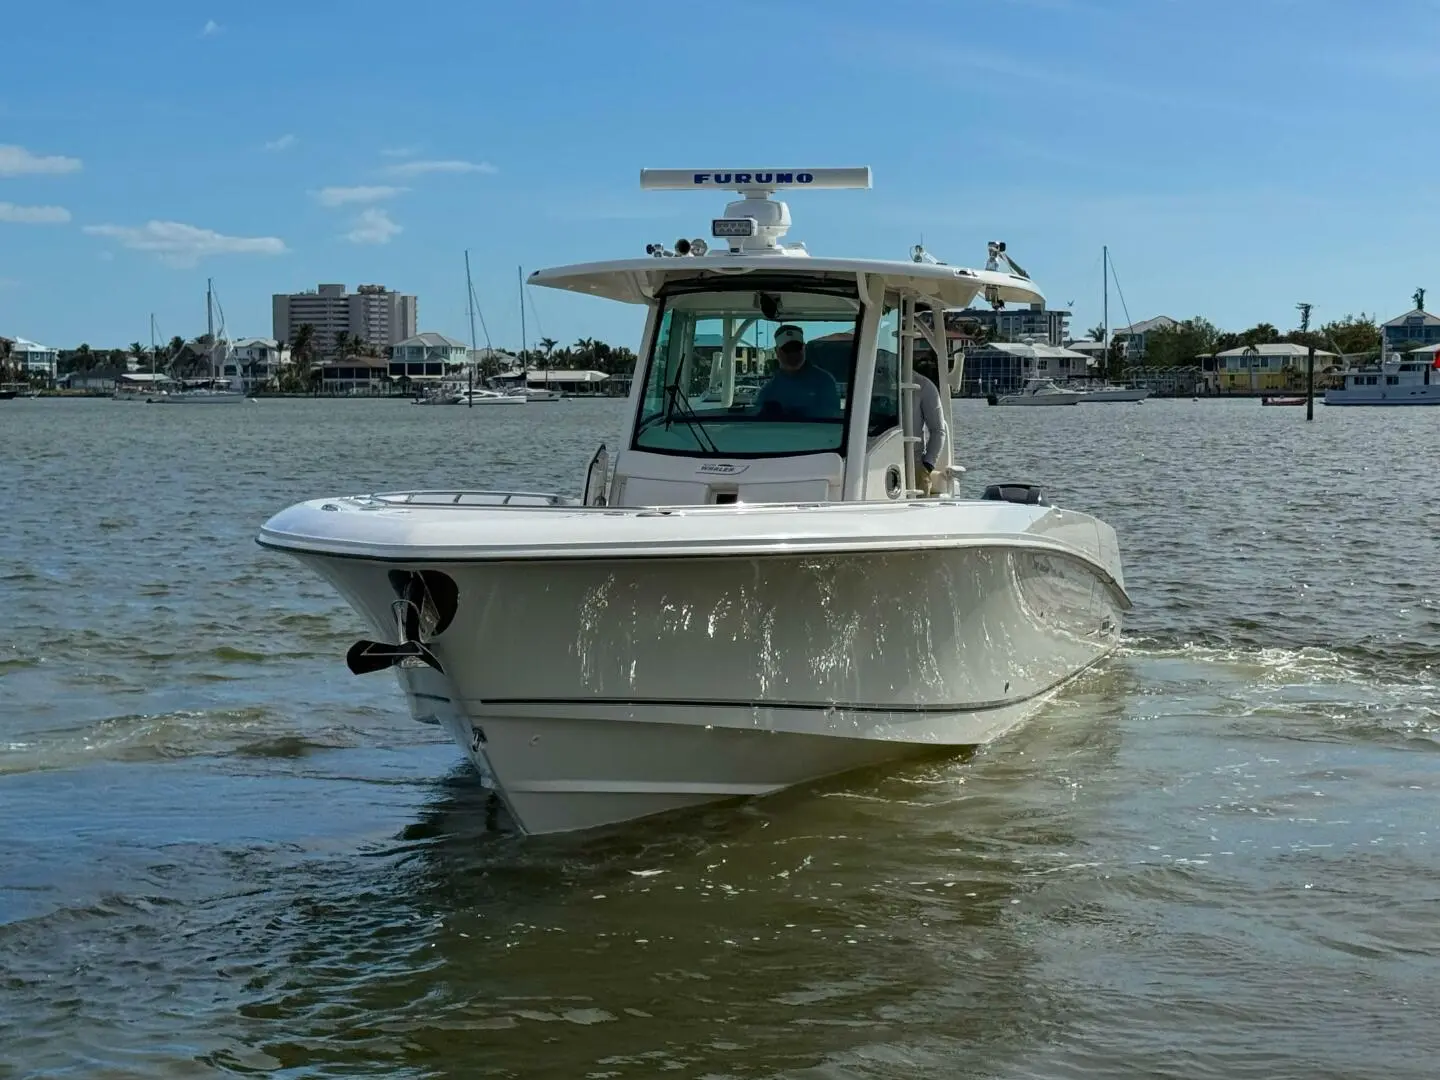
(1180,345)
(1184,343)
(191,359)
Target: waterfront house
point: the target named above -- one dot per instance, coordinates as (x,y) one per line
(748,355)
(571,383)
(428,356)
(1132,338)
(33,360)
(1405,332)
(1093,349)
(1276,365)
(99,380)
(258,361)
(355,375)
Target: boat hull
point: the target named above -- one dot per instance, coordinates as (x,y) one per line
(1423,394)
(201,399)
(593,691)
(1114,395)
(1036,400)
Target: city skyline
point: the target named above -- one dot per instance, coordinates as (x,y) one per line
(1071,125)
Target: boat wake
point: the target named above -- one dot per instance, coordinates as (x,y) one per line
(183,734)
(1353,693)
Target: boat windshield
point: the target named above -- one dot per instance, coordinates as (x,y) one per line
(747,372)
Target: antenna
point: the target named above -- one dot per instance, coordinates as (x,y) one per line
(754,181)
(996,252)
(755,224)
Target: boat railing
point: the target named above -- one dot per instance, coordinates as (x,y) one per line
(462,497)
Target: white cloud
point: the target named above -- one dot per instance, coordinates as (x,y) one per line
(420,168)
(17,161)
(33,215)
(284,142)
(373,226)
(341,196)
(184,245)
(210,29)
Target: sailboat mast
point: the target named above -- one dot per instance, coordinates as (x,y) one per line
(470,304)
(210,322)
(1105,272)
(520,277)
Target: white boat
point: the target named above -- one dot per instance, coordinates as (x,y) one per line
(1108,392)
(751,597)
(217,390)
(531,393)
(481,396)
(1409,380)
(1037,392)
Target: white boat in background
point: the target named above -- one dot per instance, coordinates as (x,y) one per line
(1108,392)
(480,396)
(749,596)
(531,393)
(217,390)
(1409,380)
(1037,392)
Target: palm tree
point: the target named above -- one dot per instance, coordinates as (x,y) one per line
(1097,333)
(1250,353)
(585,352)
(548,344)
(304,342)
(342,342)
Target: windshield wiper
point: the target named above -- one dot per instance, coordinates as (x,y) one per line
(691,418)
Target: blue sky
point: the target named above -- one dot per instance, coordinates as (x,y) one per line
(1237,156)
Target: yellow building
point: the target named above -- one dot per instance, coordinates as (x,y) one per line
(1274,366)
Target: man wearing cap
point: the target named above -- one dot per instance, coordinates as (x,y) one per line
(798,390)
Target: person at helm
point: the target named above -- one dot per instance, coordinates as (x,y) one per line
(798,390)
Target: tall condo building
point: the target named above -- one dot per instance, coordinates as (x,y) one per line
(371,313)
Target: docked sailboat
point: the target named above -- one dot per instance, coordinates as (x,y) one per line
(217,390)
(1107,391)
(749,596)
